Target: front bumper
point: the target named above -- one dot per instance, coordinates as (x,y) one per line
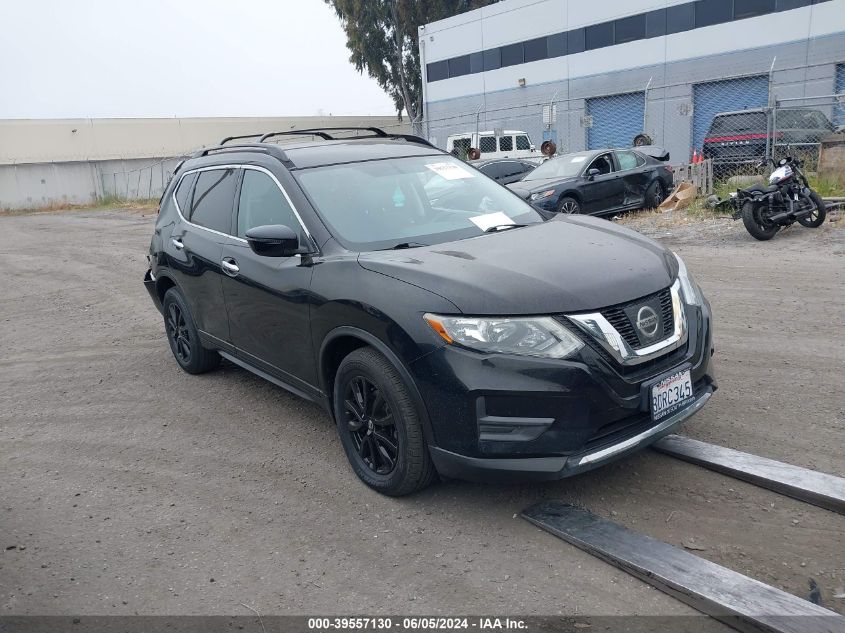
(550,468)
(500,417)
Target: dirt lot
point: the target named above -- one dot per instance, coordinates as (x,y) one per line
(130,487)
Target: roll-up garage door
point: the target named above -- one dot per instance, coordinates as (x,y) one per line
(615,120)
(709,99)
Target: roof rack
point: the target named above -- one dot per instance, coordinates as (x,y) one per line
(261,145)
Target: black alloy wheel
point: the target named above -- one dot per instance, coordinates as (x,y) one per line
(371,426)
(178,333)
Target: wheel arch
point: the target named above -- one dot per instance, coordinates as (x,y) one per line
(345,339)
(164,282)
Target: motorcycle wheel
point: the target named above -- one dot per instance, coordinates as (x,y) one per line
(755,225)
(816,218)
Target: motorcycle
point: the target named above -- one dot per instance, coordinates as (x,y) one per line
(787,199)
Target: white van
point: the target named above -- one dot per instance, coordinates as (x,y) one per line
(505,144)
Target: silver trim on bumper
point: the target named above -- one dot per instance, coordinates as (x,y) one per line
(600,329)
(633,441)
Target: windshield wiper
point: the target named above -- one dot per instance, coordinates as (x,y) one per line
(503,227)
(402,245)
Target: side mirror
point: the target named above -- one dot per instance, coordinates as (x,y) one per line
(531,147)
(592,173)
(273,240)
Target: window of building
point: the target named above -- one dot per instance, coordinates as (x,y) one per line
(435,71)
(679,18)
(476,62)
(492,59)
(512,54)
(214,196)
(536,49)
(575,41)
(459,66)
(750,8)
(505,143)
(183,192)
(262,203)
(557,44)
(487,144)
(599,35)
(522,142)
(655,23)
(630,29)
(786,5)
(710,12)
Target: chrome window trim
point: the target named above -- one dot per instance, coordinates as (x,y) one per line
(599,329)
(234,166)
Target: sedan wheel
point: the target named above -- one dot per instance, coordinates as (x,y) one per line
(568,205)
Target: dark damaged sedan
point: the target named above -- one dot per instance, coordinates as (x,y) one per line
(442,321)
(599,181)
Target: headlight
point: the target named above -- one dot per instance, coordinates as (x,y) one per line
(544,194)
(526,336)
(689,289)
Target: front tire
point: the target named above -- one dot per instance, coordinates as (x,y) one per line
(379,425)
(183,336)
(568,205)
(758,229)
(816,218)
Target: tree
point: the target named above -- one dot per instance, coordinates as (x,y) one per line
(382,38)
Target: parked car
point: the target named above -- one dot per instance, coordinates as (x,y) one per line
(598,182)
(463,335)
(504,170)
(491,144)
(739,138)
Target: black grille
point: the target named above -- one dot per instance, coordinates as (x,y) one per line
(618,319)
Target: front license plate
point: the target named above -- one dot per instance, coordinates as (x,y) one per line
(671,394)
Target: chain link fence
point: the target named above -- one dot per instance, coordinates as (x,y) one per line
(737,120)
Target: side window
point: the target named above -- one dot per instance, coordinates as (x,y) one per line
(214,195)
(487,144)
(522,142)
(505,143)
(603,163)
(262,203)
(183,192)
(627,160)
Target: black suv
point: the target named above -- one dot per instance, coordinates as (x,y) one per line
(446,325)
(740,138)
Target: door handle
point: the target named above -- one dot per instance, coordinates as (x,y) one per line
(177,242)
(230,266)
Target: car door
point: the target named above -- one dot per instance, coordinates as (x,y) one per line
(603,191)
(205,201)
(267,297)
(635,175)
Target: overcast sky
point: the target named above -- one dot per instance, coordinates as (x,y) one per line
(154,58)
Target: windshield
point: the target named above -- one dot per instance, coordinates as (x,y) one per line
(738,123)
(415,201)
(802,120)
(567,166)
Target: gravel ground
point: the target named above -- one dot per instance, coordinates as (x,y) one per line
(130,487)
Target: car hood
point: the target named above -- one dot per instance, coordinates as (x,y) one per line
(524,188)
(570,264)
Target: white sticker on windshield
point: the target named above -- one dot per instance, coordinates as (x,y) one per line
(489,220)
(450,171)
(578,159)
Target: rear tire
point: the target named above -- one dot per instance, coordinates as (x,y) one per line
(183,336)
(654,195)
(755,226)
(816,218)
(568,205)
(379,425)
